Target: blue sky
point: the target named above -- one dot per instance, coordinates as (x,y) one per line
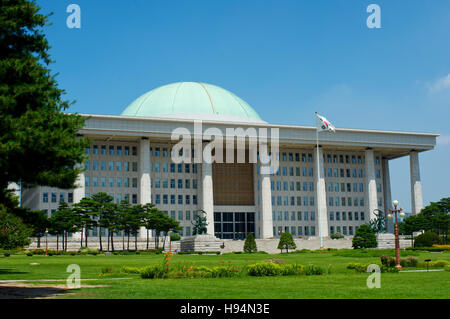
(287,59)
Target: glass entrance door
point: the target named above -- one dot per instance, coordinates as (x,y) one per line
(233,225)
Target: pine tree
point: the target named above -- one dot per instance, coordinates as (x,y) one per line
(250,244)
(32,123)
(364,237)
(286,242)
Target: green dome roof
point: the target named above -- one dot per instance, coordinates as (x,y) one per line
(192,100)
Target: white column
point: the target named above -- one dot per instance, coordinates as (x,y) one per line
(78,194)
(266,222)
(371,183)
(387,193)
(416,185)
(322,213)
(145,191)
(207,196)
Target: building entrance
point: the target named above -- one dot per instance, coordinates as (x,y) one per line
(233,225)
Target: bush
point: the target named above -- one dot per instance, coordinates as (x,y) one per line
(286,242)
(273,269)
(314,270)
(29,254)
(358,267)
(447,267)
(302,251)
(89,251)
(364,238)
(264,269)
(426,239)
(175,237)
(6,254)
(130,270)
(336,236)
(153,271)
(437,263)
(250,244)
(389,269)
(107,270)
(409,261)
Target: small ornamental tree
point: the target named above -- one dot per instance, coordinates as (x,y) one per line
(250,244)
(286,242)
(364,238)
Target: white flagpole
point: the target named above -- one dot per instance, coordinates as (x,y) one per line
(317,184)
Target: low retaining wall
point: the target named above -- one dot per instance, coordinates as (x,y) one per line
(267,245)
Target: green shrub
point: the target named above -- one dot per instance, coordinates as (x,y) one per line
(89,251)
(37,251)
(237,252)
(152,271)
(6,254)
(130,270)
(107,270)
(389,269)
(302,251)
(437,263)
(433,248)
(286,242)
(29,254)
(447,267)
(409,261)
(358,267)
(314,270)
(264,269)
(336,236)
(250,244)
(364,238)
(175,237)
(426,239)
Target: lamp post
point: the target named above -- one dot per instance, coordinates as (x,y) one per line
(393,213)
(46,241)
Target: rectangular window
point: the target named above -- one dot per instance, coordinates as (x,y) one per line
(111,150)
(53,197)
(45,197)
(70,197)
(95,149)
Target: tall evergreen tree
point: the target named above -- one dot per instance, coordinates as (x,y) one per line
(32,122)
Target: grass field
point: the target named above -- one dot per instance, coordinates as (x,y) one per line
(340,283)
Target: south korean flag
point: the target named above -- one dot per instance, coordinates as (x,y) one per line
(323,124)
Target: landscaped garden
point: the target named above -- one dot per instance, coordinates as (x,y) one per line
(299,274)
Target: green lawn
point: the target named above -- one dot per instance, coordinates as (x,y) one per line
(341,283)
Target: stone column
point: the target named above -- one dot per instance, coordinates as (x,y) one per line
(322,213)
(78,194)
(416,185)
(387,194)
(266,222)
(207,203)
(145,191)
(371,183)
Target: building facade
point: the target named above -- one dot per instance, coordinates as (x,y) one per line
(130,158)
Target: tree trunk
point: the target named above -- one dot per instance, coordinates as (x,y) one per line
(164,242)
(57,242)
(67,235)
(112,241)
(109,236)
(128,240)
(39,242)
(135,241)
(123,240)
(81,237)
(147,238)
(100,237)
(86,237)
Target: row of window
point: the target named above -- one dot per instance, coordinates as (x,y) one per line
(338,215)
(111,166)
(344,230)
(173,168)
(292,201)
(345,201)
(293,216)
(110,182)
(289,186)
(111,150)
(175,199)
(119,197)
(289,171)
(295,231)
(54,197)
(165,183)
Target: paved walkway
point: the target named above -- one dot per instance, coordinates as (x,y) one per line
(421,270)
(45,280)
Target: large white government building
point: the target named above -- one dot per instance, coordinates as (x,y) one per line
(130,159)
